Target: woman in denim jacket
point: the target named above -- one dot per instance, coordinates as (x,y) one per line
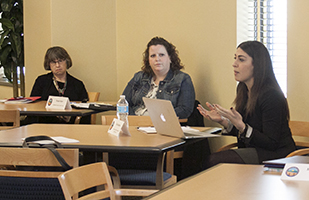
(161,78)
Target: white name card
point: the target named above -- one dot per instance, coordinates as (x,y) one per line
(58,103)
(297,172)
(116,127)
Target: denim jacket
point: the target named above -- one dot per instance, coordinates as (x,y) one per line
(176,87)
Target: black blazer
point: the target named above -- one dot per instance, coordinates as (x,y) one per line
(271,135)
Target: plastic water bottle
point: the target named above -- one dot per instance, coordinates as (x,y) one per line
(122,113)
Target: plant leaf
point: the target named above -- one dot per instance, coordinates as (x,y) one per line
(4,56)
(5,34)
(6,23)
(6,5)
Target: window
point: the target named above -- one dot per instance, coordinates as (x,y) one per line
(266,21)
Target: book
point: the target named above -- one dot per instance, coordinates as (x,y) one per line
(20,100)
(280,163)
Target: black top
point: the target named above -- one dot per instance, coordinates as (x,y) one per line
(44,86)
(271,135)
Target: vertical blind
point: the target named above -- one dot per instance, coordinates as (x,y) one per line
(266,21)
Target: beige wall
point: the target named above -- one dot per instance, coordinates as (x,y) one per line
(106,39)
(37,38)
(298,52)
(86,30)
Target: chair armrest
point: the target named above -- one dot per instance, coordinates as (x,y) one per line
(299,152)
(134,192)
(115,177)
(227,147)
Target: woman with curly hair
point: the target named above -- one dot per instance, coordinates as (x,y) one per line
(161,78)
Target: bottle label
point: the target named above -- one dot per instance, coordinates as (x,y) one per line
(122,109)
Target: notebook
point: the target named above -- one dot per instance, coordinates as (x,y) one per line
(166,122)
(280,163)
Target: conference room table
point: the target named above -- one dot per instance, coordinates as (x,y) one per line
(94,140)
(37,108)
(235,182)
(92,137)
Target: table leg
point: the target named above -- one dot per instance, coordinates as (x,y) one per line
(77,120)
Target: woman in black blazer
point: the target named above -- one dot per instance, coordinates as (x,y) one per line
(260,119)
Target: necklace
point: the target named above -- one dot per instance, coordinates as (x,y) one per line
(60,90)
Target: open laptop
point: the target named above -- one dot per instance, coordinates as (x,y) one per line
(166,122)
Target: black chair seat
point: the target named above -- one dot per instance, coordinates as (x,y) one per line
(140,177)
(30,188)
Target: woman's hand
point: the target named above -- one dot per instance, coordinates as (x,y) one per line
(231,114)
(210,114)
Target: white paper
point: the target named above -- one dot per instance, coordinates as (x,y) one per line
(60,139)
(80,105)
(149,129)
(188,129)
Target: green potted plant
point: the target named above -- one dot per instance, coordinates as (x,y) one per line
(12,43)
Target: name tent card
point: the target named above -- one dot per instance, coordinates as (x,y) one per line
(58,103)
(116,127)
(296,172)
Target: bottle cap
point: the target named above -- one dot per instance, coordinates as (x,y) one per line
(123,96)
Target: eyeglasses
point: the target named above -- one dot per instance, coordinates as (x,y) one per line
(61,61)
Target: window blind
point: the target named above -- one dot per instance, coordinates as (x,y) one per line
(266,21)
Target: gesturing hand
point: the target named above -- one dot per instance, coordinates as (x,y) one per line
(232,115)
(210,114)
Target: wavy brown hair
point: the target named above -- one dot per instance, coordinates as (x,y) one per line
(171,51)
(263,76)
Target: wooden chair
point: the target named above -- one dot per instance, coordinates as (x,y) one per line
(162,179)
(94,175)
(17,182)
(93,97)
(300,132)
(9,116)
(133,120)
(299,152)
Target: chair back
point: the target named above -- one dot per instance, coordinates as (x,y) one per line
(19,181)
(195,119)
(299,128)
(140,167)
(96,175)
(79,179)
(93,97)
(133,120)
(9,117)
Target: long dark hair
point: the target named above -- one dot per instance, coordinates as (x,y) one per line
(263,76)
(171,51)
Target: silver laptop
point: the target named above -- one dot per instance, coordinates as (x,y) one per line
(166,122)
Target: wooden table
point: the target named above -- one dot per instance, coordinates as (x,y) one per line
(92,137)
(95,138)
(235,182)
(38,109)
